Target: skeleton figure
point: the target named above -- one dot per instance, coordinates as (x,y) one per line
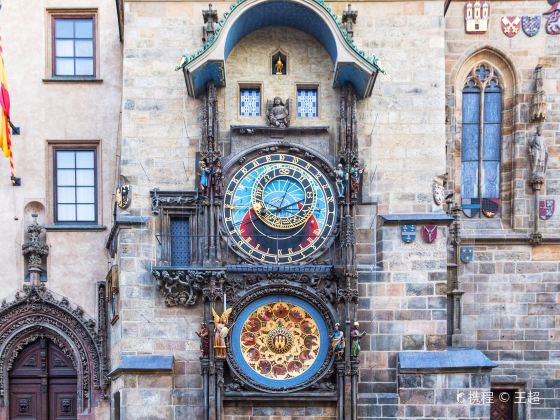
(340,174)
(220,333)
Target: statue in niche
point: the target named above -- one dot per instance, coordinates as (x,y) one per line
(220,332)
(355,175)
(218,178)
(538,157)
(278,114)
(279,65)
(355,337)
(203,333)
(338,342)
(340,175)
(205,173)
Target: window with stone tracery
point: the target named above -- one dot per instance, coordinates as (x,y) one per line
(481,142)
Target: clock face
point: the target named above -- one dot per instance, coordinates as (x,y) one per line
(279,209)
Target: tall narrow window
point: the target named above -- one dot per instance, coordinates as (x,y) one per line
(75,182)
(481,142)
(180,242)
(74,47)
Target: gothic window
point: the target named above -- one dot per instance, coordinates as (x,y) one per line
(481,142)
(307,102)
(250,101)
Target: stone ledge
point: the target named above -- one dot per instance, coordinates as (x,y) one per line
(75,228)
(460,359)
(72,80)
(413,218)
(145,364)
(249,130)
(124,221)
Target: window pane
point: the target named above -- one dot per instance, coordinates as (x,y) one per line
(492,106)
(84,67)
(85,177)
(66,194)
(492,137)
(85,195)
(471,105)
(84,48)
(86,212)
(469,145)
(64,48)
(180,249)
(84,160)
(66,212)
(84,28)
(65,159)
(65,177)
(250,102)
(64,67)
(469,180)
(307,102)
(491,184)
(64,28)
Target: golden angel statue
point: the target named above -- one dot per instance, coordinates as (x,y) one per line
(220,332)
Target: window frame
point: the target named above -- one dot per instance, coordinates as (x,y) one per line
(50,64)
(166,214)
(247,86)
(307,86)
(52,147)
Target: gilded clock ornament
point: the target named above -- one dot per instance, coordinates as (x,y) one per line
(280,341)
(279,209)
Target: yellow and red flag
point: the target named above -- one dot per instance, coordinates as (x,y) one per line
(5,132)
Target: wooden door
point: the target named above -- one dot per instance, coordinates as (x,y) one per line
(502,404)
(43,384)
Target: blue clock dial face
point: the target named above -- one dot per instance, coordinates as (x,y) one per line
(279,209)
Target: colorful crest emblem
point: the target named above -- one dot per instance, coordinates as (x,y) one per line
(467,254)
(553,19)
(490,206)
(408,233)
(439,193)
(511,25)
(531,25)
(546,209)
(476,16)
(471,206)
(429,233)
(123,196)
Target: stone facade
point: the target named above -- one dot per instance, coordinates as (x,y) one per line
(414,297)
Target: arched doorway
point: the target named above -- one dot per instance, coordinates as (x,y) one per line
(43,383)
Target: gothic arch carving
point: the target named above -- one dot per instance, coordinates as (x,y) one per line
(36,312)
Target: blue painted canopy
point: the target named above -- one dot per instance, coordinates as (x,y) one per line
(310,16)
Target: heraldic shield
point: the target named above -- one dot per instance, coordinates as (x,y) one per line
(467,254)
(511,25)
(429,233)
(408,233)
(531,25)
(546,209)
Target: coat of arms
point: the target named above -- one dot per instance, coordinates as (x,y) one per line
(476,16)
(408,233)
(467,254)
(546,209)
(490,206)
(122,196)
(531,25)
(439,193)
(429,233)
(553,19)
(511,25)
(471,206)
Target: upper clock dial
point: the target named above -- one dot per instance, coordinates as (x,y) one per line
(279,209)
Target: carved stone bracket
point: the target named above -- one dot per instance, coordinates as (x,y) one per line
(183,287)
(171,198)
(35,312)
(348,295)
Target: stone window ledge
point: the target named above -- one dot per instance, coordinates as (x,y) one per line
(72,80)
(75,228)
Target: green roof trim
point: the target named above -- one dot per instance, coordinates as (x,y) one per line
(188,58)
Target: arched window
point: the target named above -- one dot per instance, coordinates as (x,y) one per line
(481,142)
